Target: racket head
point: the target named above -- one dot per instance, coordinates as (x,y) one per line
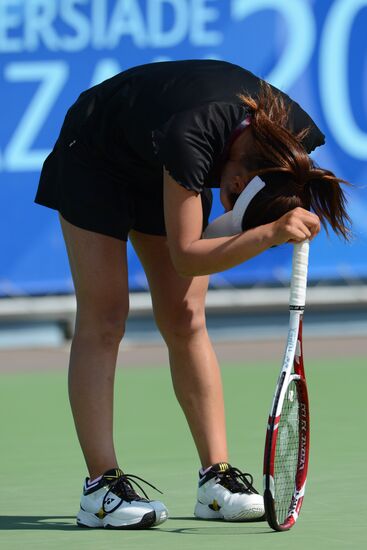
(287,446)
(287,461)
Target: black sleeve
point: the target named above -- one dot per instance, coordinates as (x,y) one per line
(190,142)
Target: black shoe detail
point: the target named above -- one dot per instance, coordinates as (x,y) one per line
(108,477)
(231,478)
(148,520)
(83,526)
(121,486)
(112,475)
(122,489)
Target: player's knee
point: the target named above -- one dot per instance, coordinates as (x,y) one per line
(112,332)
(183,322)
(105,327)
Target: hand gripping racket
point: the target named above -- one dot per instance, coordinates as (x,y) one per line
(287,437)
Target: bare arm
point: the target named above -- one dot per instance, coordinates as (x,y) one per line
(194,256)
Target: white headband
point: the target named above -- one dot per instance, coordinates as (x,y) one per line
(230,223)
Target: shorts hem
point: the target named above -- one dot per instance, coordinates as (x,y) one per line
(85,226)
(94,229)
(152,232)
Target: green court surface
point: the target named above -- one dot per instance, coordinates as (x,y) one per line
(42,470)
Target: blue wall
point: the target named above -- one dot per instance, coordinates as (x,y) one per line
(53,49)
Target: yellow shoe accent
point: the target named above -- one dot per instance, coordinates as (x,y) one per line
(215,506)
(101,513)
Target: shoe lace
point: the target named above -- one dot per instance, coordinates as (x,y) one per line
(123,488)
(236,481)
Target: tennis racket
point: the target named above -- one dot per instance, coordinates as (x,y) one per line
(287,437)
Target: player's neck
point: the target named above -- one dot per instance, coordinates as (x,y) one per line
(243,146)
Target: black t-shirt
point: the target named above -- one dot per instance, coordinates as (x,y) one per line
(179,114)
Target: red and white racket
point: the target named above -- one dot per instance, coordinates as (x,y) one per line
(288,431)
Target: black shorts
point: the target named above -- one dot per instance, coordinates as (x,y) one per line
(92,195)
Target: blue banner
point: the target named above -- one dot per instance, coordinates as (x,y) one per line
(51,50)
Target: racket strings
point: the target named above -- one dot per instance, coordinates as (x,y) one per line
(287,451)
(237,481)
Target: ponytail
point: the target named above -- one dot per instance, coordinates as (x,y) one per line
(328,200)
(293,180)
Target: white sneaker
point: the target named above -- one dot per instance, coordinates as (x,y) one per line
(112,503)
(226,493)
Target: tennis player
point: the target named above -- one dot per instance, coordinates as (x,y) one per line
(136,158)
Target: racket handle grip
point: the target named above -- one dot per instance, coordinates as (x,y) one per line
(299,275)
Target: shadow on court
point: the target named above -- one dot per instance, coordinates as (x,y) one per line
(48,523)
(214,527)
(67,523)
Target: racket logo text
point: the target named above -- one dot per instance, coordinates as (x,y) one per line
(303,439)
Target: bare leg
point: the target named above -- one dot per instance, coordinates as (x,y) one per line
(179,309)
(99,269)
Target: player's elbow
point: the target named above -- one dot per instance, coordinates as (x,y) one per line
(185,268)
(189,272)
(184,265)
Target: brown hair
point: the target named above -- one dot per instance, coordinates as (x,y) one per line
(292,178)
